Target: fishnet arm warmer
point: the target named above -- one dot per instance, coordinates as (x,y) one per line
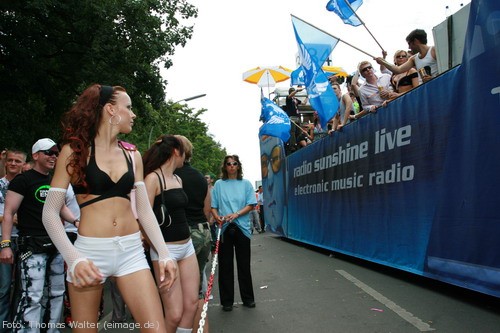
(149,222)
(55,228)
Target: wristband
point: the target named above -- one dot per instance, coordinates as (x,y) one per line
(167,260)
(76,262)
(5,244)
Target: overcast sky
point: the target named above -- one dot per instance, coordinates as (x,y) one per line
(231,37)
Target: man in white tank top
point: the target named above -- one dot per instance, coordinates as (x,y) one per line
(423,56)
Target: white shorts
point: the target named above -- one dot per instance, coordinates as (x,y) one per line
(177,251)
(114,256)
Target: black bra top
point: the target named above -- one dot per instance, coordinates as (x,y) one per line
(99,183)
(406,81)
(174,227)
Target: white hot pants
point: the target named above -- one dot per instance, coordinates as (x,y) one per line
(177,251)
(114,256)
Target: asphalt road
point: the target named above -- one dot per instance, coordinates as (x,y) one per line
(304,289)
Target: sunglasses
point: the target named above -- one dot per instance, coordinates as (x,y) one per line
(274,160)
(401,56)
(232,163)
(49,152)
(366,68)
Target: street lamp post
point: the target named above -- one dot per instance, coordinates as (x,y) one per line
(185,100)
(191,98)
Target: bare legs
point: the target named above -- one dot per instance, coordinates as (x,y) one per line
(181,301)
(143,302)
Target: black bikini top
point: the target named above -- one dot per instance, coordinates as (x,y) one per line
(99,183)
(406,81)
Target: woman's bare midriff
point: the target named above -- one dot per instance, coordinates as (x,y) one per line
(106,218)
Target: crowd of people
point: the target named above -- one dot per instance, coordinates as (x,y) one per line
(93,204)
(409,69)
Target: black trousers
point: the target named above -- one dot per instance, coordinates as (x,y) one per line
(261,216)
(234,241)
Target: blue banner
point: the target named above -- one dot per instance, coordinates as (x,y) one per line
(415,185)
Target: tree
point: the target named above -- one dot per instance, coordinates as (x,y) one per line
(51,50)
(174,118)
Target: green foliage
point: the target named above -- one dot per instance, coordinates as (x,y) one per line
(175,118)
(51,50)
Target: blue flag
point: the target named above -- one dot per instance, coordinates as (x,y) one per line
(297,77)
(276,121)
(314,48)
(344,11)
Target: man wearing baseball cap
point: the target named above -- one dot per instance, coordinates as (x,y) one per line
(40,264)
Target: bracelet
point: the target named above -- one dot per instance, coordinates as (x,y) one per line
(238,213)
(6,241)
(5,245)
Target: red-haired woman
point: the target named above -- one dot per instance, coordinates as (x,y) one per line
(109,243)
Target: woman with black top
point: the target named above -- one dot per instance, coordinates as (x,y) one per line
(405,81)
(103,172)
(169,202)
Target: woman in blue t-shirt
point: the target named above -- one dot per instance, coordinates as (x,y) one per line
(232,199)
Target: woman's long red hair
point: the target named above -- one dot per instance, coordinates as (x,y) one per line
(80,126)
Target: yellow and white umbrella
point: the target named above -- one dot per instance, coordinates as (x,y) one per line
(267,76)
(334,70)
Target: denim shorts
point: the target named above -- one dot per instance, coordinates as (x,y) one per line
(177,251)
(114,256)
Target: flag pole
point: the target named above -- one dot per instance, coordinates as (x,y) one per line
(340,40)
(364,25)
(300,128)
(268,88)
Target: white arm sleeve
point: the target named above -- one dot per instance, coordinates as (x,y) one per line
(52,223)
(149,222)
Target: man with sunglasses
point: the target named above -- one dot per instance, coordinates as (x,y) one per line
(375,91)
(40,266)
